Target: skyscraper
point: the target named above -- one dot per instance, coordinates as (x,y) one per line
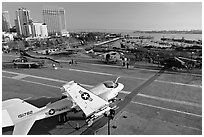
(55,19)
(5,21)
(23,22)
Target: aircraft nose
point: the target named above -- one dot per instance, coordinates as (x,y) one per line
(120,86)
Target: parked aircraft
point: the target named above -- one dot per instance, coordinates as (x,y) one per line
(24,61)
(93,103)
(107,90)
(173,63)
(25,54)
(111,57)
(22,115)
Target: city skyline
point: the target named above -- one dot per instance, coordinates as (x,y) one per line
(119,15)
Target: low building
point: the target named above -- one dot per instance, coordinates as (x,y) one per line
(39,29)
(6,37)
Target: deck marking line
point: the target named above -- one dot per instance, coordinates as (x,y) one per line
(32,82)
(170,100)
(111,66)
(131,101)
(20,76)
(108,74)
(93,72)
(182,84)
(100,73)
(164,99)
(124,92)
(50,79)
(174,110)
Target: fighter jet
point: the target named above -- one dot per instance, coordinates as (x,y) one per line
(107,90)
(93,103)
(22,115)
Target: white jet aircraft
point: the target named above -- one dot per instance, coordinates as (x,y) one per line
(94,103)
(22,115)
(107,90)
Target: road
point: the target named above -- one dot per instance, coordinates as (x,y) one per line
(173,102)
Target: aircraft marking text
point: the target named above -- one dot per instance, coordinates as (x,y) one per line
(25,114)
(52,111)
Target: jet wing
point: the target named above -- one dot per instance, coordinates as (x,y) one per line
(23,127)
(6,119)
(11,102)
(86,100)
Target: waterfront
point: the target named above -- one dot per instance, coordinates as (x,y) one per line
(157,36)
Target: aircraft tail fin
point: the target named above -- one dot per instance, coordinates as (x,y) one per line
(23,127)
(14,110)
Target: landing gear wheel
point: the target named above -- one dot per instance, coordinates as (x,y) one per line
(89,122)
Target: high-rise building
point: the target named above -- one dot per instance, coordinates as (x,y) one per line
(39,29)
(55,19)
(23,22)
(5,21)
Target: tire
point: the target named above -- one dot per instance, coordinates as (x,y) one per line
(89,122)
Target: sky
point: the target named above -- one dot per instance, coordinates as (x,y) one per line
(119,15)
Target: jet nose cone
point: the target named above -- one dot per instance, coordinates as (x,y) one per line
(120,86)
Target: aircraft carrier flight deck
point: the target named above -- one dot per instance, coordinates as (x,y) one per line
(155,101)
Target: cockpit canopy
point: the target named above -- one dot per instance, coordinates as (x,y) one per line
(110,84)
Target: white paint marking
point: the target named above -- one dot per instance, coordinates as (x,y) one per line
(193,128)
(164,99)
(131,101)
(124,92)
(200,75)
(108,74)
(50,79)
(86,71)
(32,82)
(62,81)
(20,76)
(170,100)
(114,66)
(181,84)
(122,67)
(173,110)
